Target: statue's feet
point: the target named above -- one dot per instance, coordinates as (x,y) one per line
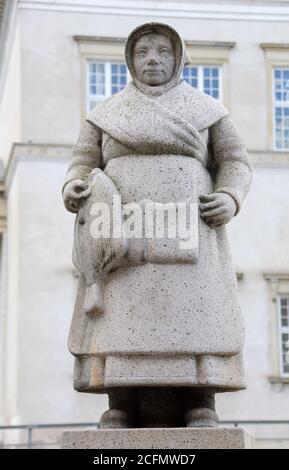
(201,417)
(114,419)
(122,409)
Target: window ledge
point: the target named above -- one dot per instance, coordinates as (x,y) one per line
(278,380)
(273,45)
(275,159)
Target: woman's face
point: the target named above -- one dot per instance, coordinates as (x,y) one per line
(153,59)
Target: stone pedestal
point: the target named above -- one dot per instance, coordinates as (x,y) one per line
(159,438)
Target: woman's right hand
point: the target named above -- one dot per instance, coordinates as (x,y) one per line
(74,193)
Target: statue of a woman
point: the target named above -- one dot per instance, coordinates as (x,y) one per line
(157,328)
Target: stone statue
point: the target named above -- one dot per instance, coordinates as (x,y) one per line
(155,326)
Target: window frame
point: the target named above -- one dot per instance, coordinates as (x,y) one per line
(278,286)
(276,56)
(200,77)
(217,54)
(96,49)
(107,81)
(279,104)
(103,49)
(281,330)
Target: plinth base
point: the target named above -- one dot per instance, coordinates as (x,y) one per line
(159,438)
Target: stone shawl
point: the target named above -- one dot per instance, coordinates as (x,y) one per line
(162,119)
(168,124)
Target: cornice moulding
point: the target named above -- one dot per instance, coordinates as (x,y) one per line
(212,11)
(105,39)
(59,153)
(272,45)
(275,277)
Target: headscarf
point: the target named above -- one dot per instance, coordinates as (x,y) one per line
(181,56)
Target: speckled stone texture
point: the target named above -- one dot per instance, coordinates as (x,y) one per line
(160,316)
(177,438)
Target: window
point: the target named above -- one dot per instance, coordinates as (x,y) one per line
(278,339)
(107,78)
(104,79)
(283,308)
(205,78)
(281,107)
(103,69)
(277,64)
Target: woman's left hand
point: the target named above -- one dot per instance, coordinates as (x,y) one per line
(217,208)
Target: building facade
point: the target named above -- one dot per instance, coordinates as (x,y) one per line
(56,60)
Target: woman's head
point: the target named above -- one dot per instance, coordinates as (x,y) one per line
(154,59)
(155,56)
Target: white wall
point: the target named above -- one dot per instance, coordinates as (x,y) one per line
(259,239)
(10,102)
(51,68)
(42,289)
